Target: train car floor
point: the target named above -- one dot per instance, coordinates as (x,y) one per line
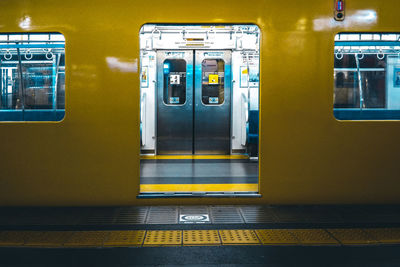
(198,175)
(200,236)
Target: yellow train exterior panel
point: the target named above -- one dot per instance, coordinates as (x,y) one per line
(92,156)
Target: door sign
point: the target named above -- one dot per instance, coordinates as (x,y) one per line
(213,79)
(174,79)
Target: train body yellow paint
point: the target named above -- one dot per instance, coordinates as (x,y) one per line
(92,156)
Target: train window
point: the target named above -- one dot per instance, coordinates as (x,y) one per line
(367,77)
(174,81)
(213,73)
(32,77)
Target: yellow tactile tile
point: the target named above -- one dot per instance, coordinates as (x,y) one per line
(354,236)
(163,238)
(239,237)
(124,238)
(47,238)
(201,238)
(86,239)
(314,237)
(12,238)
(276,237)
(385,235)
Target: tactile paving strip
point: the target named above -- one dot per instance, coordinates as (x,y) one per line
(124,238)
(385,235)
(86,239)
(163,238)
(239,237)
(47,238)
(201,238)
(12,238)
(353,236)
(277,237)
(314,237)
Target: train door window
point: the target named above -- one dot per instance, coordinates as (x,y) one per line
(365,76)
(213,81)
(174,81)
(32,77)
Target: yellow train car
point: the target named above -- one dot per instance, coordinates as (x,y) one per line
(324,76)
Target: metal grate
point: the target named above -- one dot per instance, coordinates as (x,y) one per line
(225,215)
(352,236)
(86,239)
(257,214)
(385,235)
(193,210)
(314,237)
(163,238)
(162,215)
(99,217)
(239,237)
(277,237)
(290,214)
(124,238)
(132,215)
(201,237)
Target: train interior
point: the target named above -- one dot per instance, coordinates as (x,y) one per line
(367,76)
(32,77)
(199,110)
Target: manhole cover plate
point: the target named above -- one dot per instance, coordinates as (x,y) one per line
(194,218)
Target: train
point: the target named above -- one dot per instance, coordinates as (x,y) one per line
(211,102)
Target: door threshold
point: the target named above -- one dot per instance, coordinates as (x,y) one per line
(199,195)
(194,157)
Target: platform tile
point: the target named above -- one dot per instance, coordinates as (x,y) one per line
(47,238)
(201,238)
(385,235)
(239,237)
(277,237)
(314,237)
(86,239)
(124,238)
(163,238)
(353,236)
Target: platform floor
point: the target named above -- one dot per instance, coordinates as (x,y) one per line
(201,236)
(198,175)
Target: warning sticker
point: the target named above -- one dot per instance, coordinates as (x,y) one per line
(213,79)
(194,218)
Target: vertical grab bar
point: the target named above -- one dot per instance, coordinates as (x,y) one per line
(359,82)
(143,120)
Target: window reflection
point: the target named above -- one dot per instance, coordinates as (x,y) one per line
(174,81)
(213,81)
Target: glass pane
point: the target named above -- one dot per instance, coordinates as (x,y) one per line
(32,77)
(347,94)
(11,95)
(38,81)
(374,91)
(174,81)
(213,81)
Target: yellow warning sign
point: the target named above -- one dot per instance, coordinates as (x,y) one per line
(213,79)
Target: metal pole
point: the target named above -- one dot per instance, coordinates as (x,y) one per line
(21,83)
(359,82)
